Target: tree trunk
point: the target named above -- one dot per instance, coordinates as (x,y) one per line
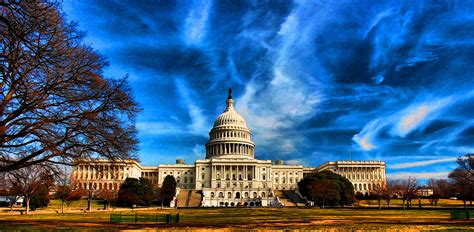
(161,204)
(62,206)
(419,203)
(380,206)
(89,207)
(465,205)
(27,205)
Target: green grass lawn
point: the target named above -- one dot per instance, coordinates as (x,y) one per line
(256,218)
(79,204)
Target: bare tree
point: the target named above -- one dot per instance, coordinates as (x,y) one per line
(379,192)
(75,195)
(11,194)
(441,189)
(6,190)
(463,188)
(55,105)
(392,188)
(64,185)
(463,178)
(466,166)
(29,181)
(408,190)
(63,192)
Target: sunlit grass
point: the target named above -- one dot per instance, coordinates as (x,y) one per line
(251,218)
(424,203)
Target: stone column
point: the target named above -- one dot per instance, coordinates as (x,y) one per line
(245,172)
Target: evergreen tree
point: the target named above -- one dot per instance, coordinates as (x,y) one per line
(135,192)
(168,190)
(327,188)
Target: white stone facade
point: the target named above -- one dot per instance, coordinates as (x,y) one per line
(230,175)
(366,176)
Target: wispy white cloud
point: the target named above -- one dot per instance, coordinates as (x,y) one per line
(199,123)
(421,163)
(402,122)
(419,114)
(195,26)
(292,95)
(418,175)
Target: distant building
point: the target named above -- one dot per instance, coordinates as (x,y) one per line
(424,192)
(229,175)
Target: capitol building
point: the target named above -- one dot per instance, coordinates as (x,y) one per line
(230,175)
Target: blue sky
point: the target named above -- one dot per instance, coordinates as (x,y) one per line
(315,80)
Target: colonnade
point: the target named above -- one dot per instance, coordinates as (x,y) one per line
(362,173)
(229,149)
(234,172)
(99,172)
(363,178)
(230,134)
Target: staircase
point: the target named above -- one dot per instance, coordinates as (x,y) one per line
(189,198)
(194,199)
(183,197)
(283,199)
(295,198)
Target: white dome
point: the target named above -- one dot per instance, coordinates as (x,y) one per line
(230,117)
(230,137)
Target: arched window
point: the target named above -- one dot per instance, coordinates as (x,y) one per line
(229,195)
(237,195)
(221,194)
(263,194)
(283,180)
(212,194)
(263,176)
(246,194)
(203,176)
(218,176)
